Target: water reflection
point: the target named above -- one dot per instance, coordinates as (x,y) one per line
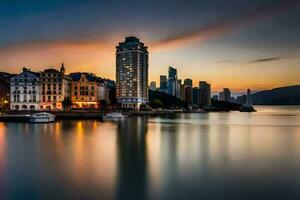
(132,159)
(207,156)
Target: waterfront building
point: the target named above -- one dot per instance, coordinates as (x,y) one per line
(131,73)
(225,95)
(4,90)
(188,95)
(232,100)
(188,82)
(178,89)
(196,96)
(204,93)
(152,86)
(172,73)
(163,87)
(215,97)
(172,81)
(182,92)
(85,88)
(24,91)
(55,86)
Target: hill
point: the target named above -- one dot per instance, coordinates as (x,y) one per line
(167,99)
(289,95)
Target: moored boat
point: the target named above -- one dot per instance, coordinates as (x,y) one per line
(114,115)
(42,117)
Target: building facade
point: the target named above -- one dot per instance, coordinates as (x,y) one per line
(131,73)
(188,95)
(55,86)
(196,96)
(188,82)
(225,95)
(85,91)
(204,99)
(25,91)
(163,87)
(172,81)
(4,90)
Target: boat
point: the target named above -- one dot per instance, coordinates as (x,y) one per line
(42,117)
(114,115)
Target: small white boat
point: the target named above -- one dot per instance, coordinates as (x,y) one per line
(114,115)
(42,117)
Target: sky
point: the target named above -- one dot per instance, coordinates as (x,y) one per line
(230,43)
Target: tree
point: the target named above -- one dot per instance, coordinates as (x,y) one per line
(143,107)
(67,103)
(156,103)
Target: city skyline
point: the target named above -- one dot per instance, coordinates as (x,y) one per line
(256,42)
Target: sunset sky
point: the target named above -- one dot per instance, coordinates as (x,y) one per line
(231,43)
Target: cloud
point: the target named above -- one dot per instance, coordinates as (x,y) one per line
(270,59)
(224,26)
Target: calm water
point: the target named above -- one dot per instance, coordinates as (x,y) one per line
(188,156)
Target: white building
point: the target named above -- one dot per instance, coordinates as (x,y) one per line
(24,91)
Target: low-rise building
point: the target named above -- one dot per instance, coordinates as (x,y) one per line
(85,91)
(4,90)
(24,91)
(55,86)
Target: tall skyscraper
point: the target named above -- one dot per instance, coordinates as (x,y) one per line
(172,73)
(188,82)
(196,96)
(189,95)
(204,93)
(178,89)
(172,81)
(131,73)
(163,87)
(225,95)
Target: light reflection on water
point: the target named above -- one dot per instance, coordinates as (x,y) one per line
(187,156)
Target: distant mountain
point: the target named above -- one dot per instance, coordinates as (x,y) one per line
(289,95)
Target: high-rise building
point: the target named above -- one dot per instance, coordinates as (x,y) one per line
(54,86)
(215,97)
(172,73)
(152,85)
(131,73)
(178,89)
(182,92)
(196,96)
(204,93)
(188,82)
(225,95)
(172,81)
(25,91)
(188,95)
(163,84)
